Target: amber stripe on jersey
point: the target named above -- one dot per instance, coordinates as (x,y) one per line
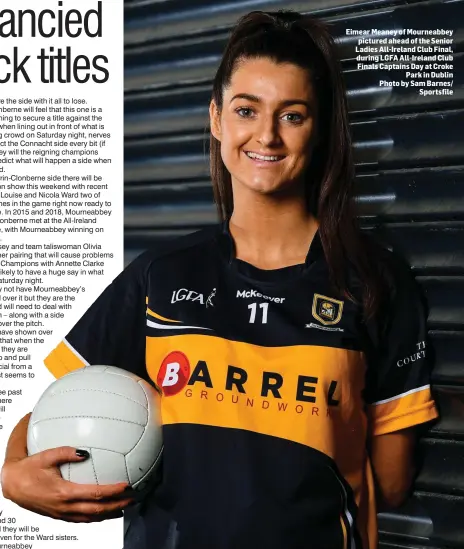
(345,538)
(64,359)
(159,317)
(402,411)
(320,389)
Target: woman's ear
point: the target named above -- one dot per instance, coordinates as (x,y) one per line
(215,120)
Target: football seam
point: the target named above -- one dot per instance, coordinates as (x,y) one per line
(158,457)
(115,373)
(153,466)
(145,426)
(105,450)
(33,437)
(98,391)
(89,417)
(125,466)
(93,466)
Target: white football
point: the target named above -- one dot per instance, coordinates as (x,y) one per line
(111,413)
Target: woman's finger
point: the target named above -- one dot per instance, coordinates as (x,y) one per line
(97,509)
(89,492)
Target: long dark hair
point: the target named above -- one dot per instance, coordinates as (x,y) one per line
(290,37)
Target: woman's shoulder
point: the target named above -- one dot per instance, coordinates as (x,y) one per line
(391,265)
(400,274)
(180,246)
(399,283)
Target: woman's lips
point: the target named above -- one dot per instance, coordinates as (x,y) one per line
(263,160)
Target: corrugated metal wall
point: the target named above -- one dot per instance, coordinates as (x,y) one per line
(409,154)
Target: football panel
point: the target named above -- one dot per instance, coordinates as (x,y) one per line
(80,432)
(32,447)
(103,467)
(147,479)
(101,368)
(89,403)
(104,381)
(140,460)
(84,470)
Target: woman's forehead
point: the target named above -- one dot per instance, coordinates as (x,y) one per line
(265,78)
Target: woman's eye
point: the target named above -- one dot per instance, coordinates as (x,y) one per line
(293,117)
(244,112)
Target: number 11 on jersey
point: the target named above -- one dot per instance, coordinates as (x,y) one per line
(253,308)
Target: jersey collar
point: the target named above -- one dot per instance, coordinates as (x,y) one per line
(227,246)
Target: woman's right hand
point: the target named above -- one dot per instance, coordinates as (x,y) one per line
(35,483)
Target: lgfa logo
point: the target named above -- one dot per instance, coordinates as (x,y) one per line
(187,295)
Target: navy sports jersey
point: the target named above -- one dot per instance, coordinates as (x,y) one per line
(271,384)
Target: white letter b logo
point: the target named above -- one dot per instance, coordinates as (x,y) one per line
(173,374)
(171,377)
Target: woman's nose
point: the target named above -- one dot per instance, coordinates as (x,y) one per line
(268,131)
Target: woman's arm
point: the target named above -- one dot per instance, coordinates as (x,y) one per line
(112,331)
(392,458)
(35,483)
(17,448)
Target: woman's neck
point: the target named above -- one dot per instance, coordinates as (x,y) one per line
(271,233)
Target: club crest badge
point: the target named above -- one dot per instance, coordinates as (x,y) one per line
(326,310)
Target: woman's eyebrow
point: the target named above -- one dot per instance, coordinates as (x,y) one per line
(247,96)
(285,103)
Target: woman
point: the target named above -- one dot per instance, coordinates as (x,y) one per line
(290,351)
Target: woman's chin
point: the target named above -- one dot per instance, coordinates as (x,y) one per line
(268,188)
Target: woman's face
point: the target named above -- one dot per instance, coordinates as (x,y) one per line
(267,125)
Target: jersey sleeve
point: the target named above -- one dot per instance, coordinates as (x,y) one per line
(398,393)
(112,331)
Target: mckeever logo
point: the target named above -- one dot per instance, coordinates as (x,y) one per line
(255,294)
